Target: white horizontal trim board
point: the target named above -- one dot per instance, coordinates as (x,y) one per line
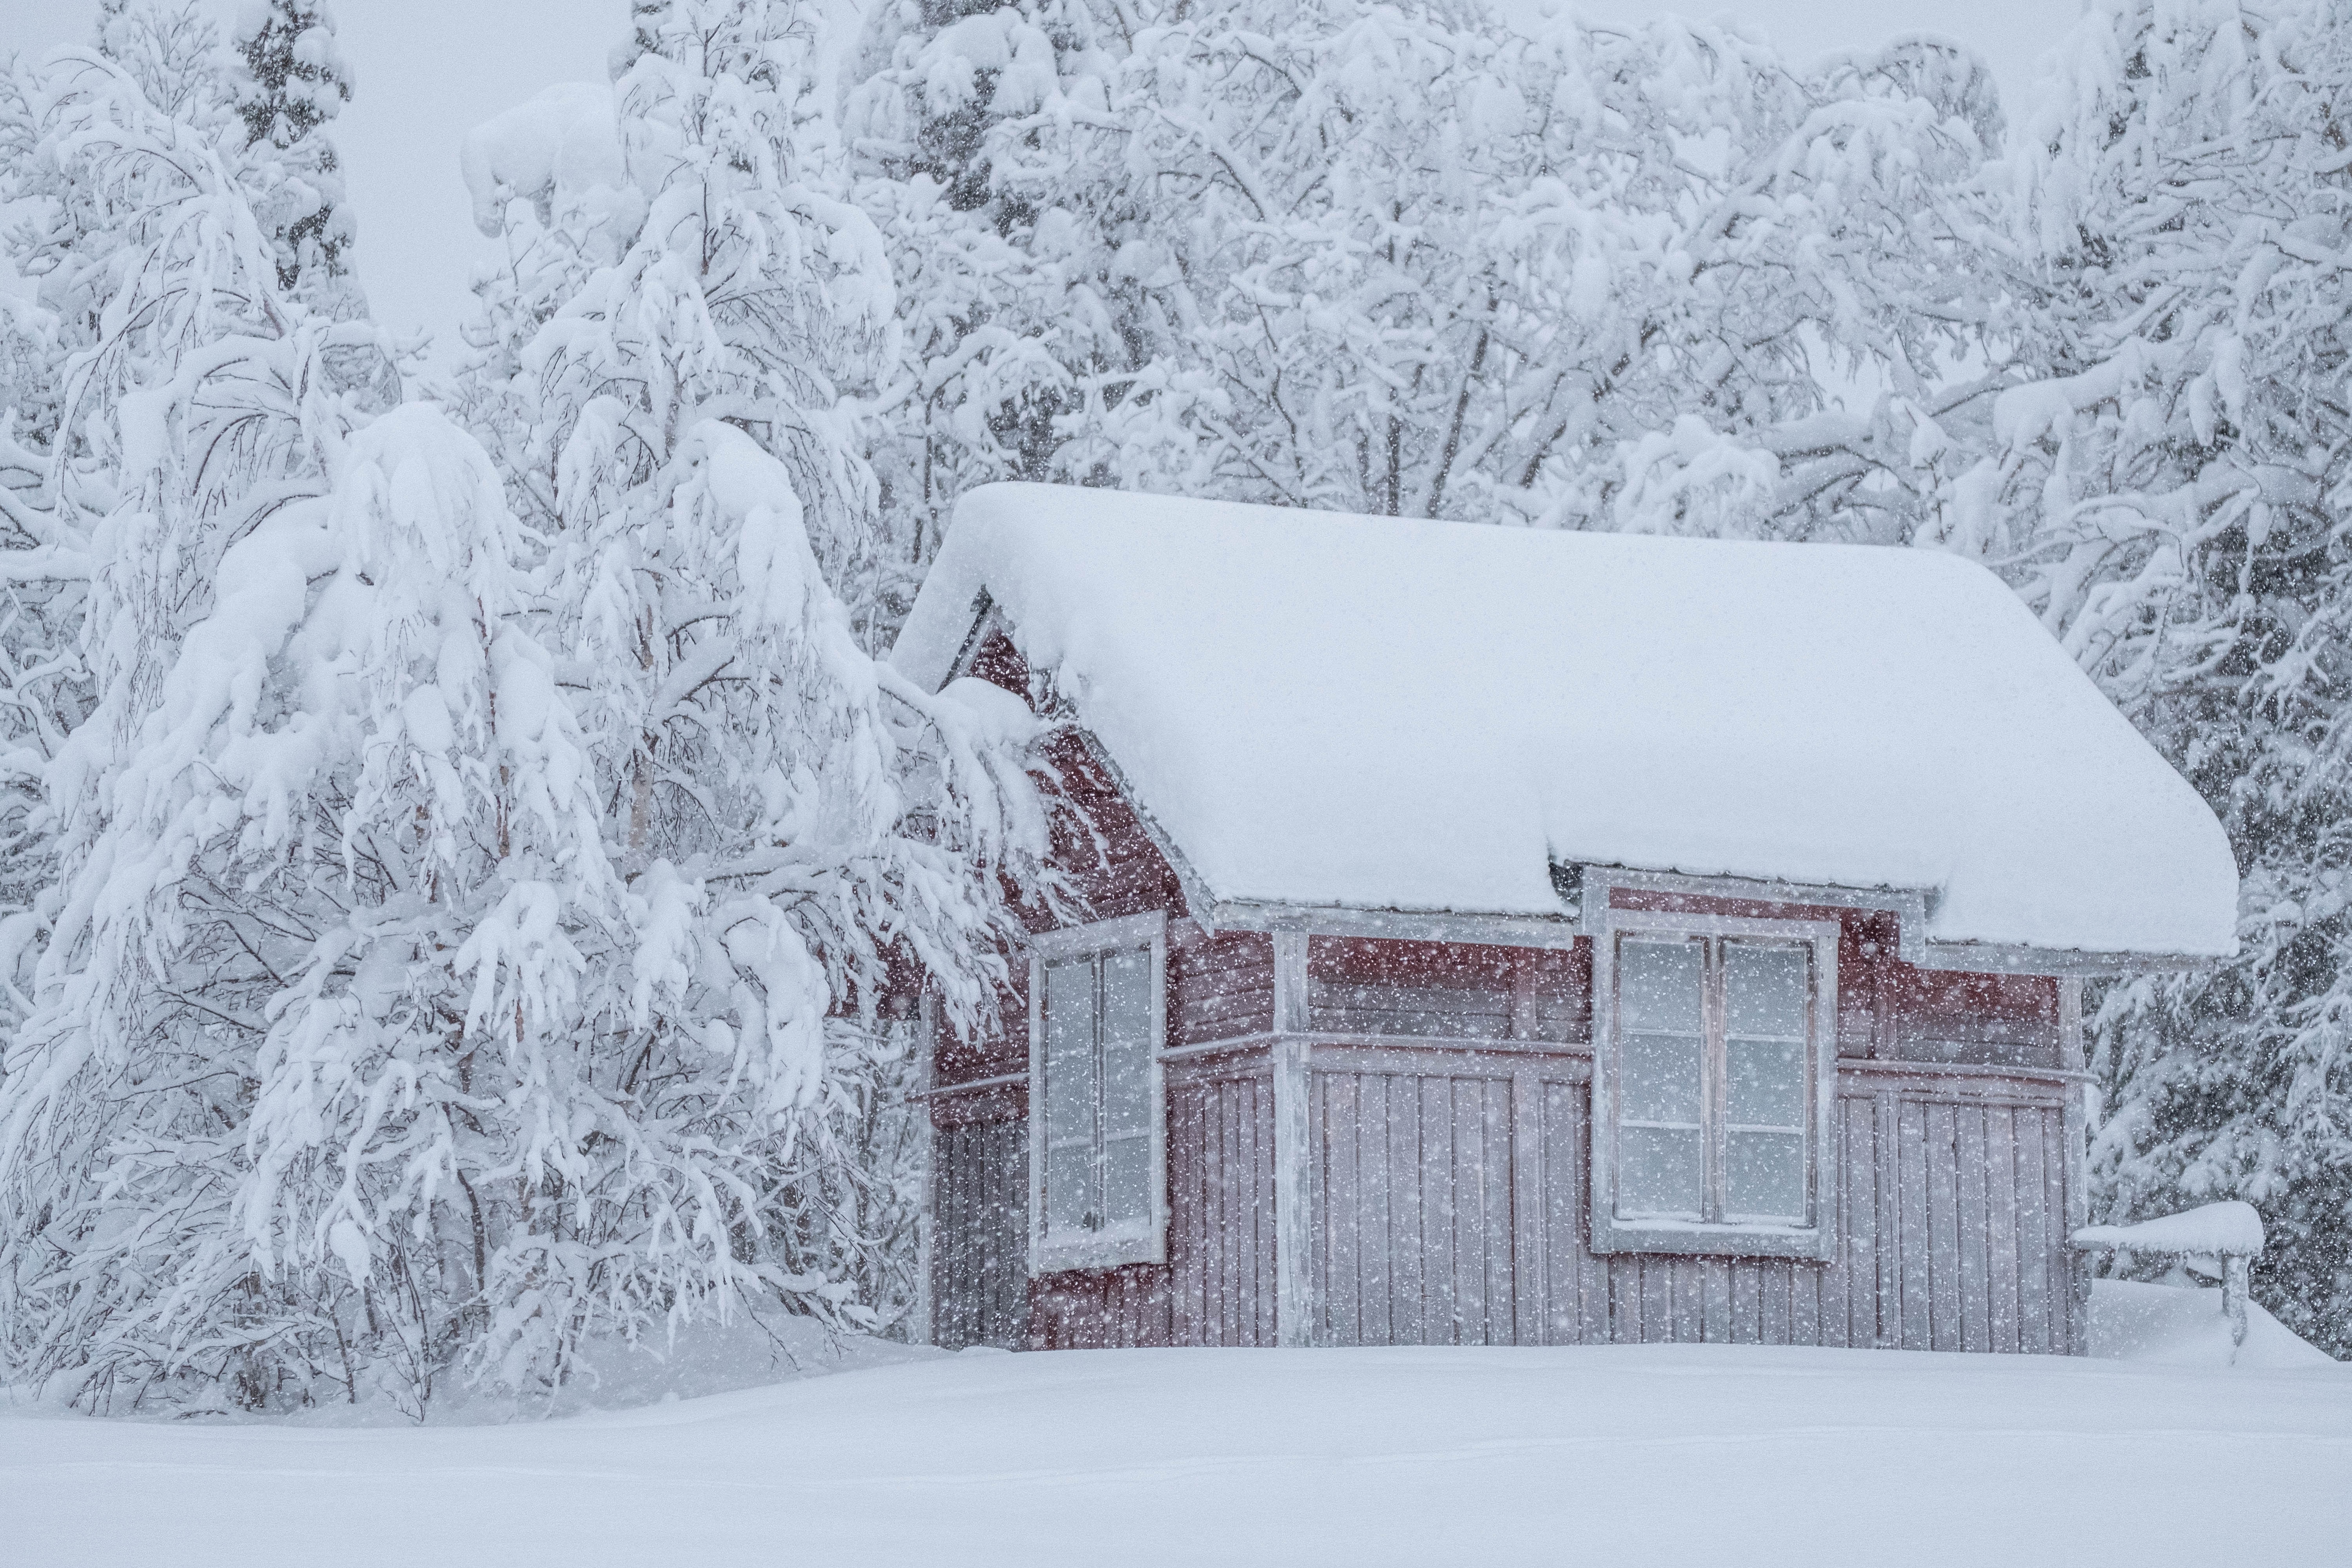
(1396,925)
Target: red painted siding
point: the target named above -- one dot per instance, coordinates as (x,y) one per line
(1449,990)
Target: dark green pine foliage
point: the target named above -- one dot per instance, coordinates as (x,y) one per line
(291,81)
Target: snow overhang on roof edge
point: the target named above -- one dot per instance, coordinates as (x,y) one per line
(1911,907)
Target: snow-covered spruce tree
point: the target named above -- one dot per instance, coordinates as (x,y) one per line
(960,118)
(2171,488)
(292,81)
(800,826)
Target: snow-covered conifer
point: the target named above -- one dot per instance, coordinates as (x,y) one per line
(291,81)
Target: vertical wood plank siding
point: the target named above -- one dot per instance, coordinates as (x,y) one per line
(1950,1207)
(1412,1181)
(1450,1190)
(979,1272)
(1220,1207)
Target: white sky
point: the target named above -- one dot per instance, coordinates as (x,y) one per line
(427,71)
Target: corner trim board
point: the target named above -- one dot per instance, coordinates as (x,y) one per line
(1294,1311)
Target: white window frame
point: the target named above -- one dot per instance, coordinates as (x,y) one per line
(1816,1238)
(1104,1252)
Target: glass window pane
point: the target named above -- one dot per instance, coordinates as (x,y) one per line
(1660,1079)
(1766,1084)
(1657,986)
(1070,1212)
(1767,1177)
(1763,990)
(1127,1182)
(1070,1050)
(1657,1171)
(1127,1042)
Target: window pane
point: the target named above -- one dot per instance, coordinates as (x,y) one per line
(1070,1212)
(1127,1042)
(1126,1180)
(1070,1050)
(1657,986)
(1660,1080)
(1657,1171)
(1767,1084)
(1070,1099)
(1763,990)
(1767,1176)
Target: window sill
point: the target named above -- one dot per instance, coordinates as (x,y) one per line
(1106,1252)
(1692,1238)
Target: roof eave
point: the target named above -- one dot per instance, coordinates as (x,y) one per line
(2018,958)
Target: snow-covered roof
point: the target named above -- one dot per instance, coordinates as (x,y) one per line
(1373,713)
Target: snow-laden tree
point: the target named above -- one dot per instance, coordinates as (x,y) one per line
(415,1002)
(961,117)
(708,267)
(184,417)
(64,232)
(1299,196)
(291,83)
(123,216)
(676,335)
(1752,299)
(2168,489)
(172,48)
(1397,260)
(336,909)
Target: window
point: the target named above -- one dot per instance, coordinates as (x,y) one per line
(1713,1084)
(1097,1121)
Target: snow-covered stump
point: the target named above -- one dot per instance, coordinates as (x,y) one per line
(2225,1237)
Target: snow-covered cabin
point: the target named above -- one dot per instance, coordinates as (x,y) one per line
(1506,936)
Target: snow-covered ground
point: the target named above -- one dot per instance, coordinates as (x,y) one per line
(1660,1455)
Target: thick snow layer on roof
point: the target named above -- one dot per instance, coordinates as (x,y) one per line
(1324,710)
